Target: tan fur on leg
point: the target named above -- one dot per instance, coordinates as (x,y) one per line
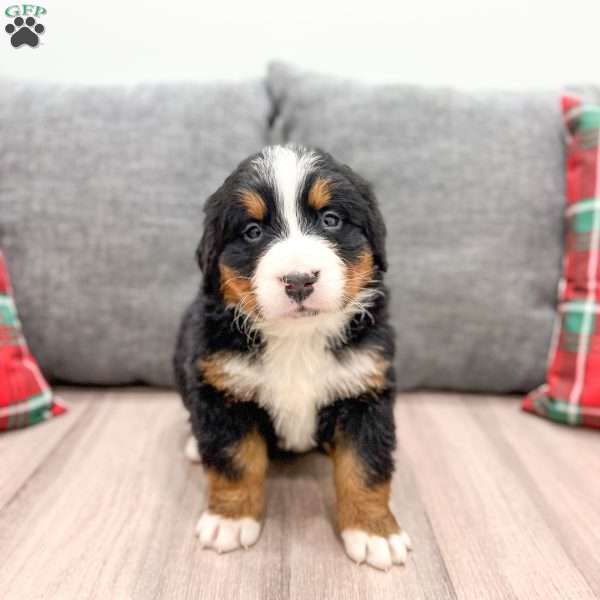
(368,528)
(242,496)
(359,505)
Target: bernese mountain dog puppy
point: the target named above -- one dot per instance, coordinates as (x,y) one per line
(287,348)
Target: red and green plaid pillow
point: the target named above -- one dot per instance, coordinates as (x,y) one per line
(25,397)
(571,393)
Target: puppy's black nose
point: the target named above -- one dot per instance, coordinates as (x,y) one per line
(299,286)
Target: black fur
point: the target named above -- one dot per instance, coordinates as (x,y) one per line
(208,326)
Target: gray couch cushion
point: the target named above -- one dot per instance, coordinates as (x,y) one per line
(471,186)
(101,190)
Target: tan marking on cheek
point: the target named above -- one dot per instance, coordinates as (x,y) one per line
(319,194)
(242,496)
(360,506)
(237,290)
(254,204)
(358,275)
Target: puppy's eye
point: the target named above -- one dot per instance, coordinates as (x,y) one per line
(252,232)
(331,220)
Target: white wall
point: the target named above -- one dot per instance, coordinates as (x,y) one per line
(474,43)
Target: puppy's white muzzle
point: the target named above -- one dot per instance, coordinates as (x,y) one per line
(301,260)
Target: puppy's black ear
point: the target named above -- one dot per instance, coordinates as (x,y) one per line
(210,246)
(374,227)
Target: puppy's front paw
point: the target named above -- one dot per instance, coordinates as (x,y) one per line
(377,551)
(224,535)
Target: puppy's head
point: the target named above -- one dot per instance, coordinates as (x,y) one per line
(291,234)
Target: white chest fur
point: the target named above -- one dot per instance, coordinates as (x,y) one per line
(298,374)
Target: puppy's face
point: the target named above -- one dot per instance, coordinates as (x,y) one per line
(291,234)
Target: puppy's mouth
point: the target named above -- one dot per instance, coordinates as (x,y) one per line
(302,312)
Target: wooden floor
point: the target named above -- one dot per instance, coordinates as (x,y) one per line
(100,503)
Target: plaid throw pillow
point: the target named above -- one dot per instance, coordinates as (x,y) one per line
(25,397)
(572,390)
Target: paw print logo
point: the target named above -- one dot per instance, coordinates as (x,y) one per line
(24,32)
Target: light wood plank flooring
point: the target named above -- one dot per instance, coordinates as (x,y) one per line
(100,503)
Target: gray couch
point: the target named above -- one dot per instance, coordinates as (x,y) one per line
(101,191)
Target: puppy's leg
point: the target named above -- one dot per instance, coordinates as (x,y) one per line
(361,450)
(235,497)
(231,441)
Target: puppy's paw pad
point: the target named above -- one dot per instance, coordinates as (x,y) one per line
(191,450)
(377,551)
(226,535)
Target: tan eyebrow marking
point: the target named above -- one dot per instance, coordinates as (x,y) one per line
(254,204)
(319,194)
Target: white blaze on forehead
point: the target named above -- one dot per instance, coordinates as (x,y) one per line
(286,169)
